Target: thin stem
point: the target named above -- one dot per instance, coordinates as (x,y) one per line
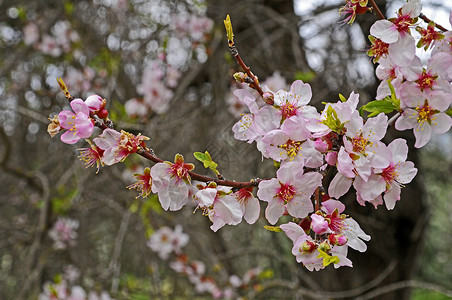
(377,10)
(195,176)
(247,70)
(317,199)
(427,20)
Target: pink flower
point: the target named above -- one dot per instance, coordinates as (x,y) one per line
(118,145)
(78,123)
(250,205)
(94,103)
(220,205)
(172,182)
(165,241)
(252,126)
(304,247)
(430,78)
(319,224)
(340,224)
(290,191)
(425,113)
(294,102)
(389,180)
(91,156)
(63,233)
(143,184)
(291,143)
(396,32)
(362,143)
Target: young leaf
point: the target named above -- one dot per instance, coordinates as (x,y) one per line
(273,228)
(379,106)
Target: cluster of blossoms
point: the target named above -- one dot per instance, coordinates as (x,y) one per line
(59,42)
(64,233)
(424,91)
(166,241)
(64,288)
(160,77)
(156,83)
(306,145)
(195,26)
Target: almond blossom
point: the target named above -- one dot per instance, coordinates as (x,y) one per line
(63,233)
(294,102)
(388,180)
(220,205)
(78,122)
(396,32)
(166,241)
(118,145)
(291,143)
(143,184)
(250,205)
(290,191)
(172,182)
(362,143)
(425,113)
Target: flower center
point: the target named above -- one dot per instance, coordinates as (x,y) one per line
(426,80)
(359,144)
(286,192)
(389,173)
(179,170)
(292,148)
(288,110)
(425,113)
(403,22)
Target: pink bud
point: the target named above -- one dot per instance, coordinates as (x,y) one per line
(268,97)
(331,158)
(318,224)
(337,239)
(94,103)
(321,145)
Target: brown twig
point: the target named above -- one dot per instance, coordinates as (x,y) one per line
(427,20)
(247,70)
(377,10)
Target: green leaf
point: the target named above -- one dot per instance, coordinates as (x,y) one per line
(342,98)
(207,161)
(332,120)
(327,259)
(379,106)
(273,228)
(200,156)
(449,112)
(393,97)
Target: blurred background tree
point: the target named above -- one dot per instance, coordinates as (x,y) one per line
(165,70)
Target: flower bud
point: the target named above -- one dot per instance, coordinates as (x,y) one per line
(103,114)
(338,239)
(240,77)
(318,224)
(268,97)
(321,145)
(94,103)
(331,158)
(325,246)
(307,247)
